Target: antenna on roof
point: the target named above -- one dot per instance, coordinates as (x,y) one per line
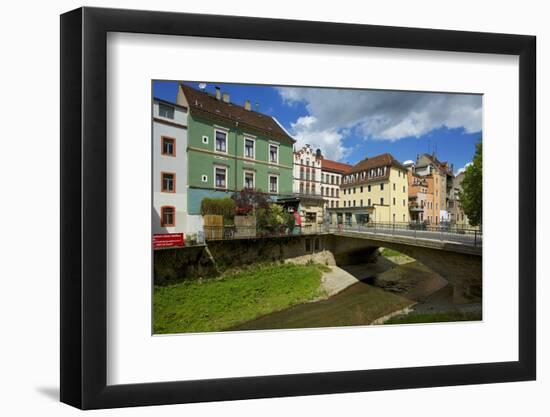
(202,86)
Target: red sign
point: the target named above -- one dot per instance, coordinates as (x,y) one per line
(168,240)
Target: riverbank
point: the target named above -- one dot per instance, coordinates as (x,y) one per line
(238,296)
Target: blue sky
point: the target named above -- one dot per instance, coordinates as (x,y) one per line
(349,125)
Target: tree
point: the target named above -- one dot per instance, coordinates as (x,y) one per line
(247,201)
(471,196)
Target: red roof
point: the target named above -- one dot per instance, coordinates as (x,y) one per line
(377,161)
(333,166)
(206,105)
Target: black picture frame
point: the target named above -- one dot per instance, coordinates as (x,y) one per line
(84,207)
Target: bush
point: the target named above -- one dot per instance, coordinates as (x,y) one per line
(220,206)
(247,201)
(273,219)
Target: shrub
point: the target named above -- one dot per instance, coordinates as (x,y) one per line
(273,218)
(221,206)
(248,201)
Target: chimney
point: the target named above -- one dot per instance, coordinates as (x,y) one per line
(225,97)
(247,105)
(218,93)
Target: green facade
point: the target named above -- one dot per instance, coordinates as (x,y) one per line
(202,158)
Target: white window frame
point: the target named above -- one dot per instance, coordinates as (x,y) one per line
(269,183)
(205,139)
(269,153)
(226,133)
(253,139)
(204,178)
(247,171)
(226,169)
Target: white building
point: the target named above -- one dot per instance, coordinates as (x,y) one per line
(331,178)
(307,171)
(170,170)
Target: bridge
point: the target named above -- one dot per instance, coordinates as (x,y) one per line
(455,253)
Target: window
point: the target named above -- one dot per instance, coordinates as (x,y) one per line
(204,178)
(168,182)
(368,189)
(361,188)
(337,204)
(394,186)
(404,189)
(381,187)
(221,177)
(273,154)
(403,217)
(382,201)
(403,203)
(274,184)
(248,180)
(394,217)
(332,192)
(167,216)
(337,193)
(166,111)
(353,203)
(353,190)
(322,177)
(322,190)
(368,202)
(168,146)
(361,202)
(205,140)
(249,148)
(221,141)
(394,201)
(344,203)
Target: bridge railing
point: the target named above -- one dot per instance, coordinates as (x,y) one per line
(447,233)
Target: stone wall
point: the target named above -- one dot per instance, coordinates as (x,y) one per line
(180,264)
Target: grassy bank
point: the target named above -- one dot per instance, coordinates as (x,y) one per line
(235,297)
(435,317)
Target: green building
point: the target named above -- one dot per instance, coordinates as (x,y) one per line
(231,147)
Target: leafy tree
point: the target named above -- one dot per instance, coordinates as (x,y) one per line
(247,201)
(471,196)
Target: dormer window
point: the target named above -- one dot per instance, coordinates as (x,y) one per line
(166,111)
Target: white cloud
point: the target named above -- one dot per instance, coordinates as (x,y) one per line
(380,115)
(461,170)
(306,131)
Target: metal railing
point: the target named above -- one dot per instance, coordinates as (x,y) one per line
(252,232)
(442,232)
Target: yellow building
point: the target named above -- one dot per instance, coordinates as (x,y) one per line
(375,190)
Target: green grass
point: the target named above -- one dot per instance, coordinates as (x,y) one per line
(235,297)
(435,317)
(390,252)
